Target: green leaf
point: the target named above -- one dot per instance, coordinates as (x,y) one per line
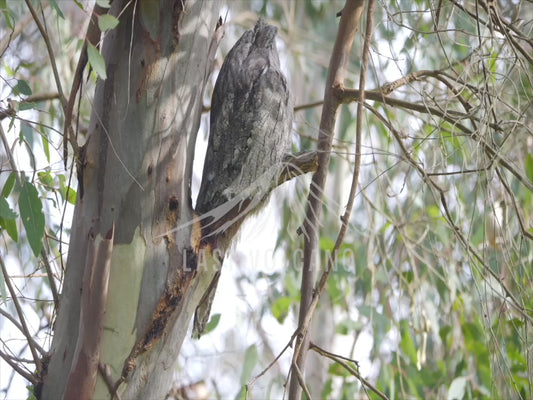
(8,186)
(434,211)
(46,146)
(336,369)
(327,391)
(457,388)
(213,321)
(10,225)
(445,332)
(337,295)
(72,197)
(10,71)
(407,343)
(8,16)
(348,326)
(103,3)
(250,361)
(529,166)
(6,211)
(22,87)
(31,392)
(3,291)
(280,308)
(326,244)
(46,178)
(27,105)
(68,193)
(242,394)
(27,133)
(107,22)
(31,211)
(97,61)
(57,9)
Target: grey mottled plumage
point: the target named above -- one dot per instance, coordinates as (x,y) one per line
(251,118)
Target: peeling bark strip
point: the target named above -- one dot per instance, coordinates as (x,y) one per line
(82,377)
(251,119)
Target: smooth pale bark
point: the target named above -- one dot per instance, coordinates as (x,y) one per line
(136,172)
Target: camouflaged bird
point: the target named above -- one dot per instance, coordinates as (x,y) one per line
(251,119)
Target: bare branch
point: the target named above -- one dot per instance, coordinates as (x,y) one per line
(20,328)
(298,164)
(525,231)
(348,26)
(93,37)
(20,313)
(449,219)
(349,95)
(22,372)
(17,30)
(38,97)
(274,361)
(53,63)
(51,278)
(341,361)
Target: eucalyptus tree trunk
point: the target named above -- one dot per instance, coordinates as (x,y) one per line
(134,191)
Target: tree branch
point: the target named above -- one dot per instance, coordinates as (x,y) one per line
(341,361)
(20,313)
(53,63)
(9,285)
(22,372)
(17,30)
(20,328)
(93,37)
(348,26)
(298,164)
(448,217)
(451,116)
(51,279)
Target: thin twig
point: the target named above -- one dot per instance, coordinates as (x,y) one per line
(274,361)
(16,367)
(91,37)
(308,105)
(349,95)
(20,313)
(301,380)
(17,30)
(298,164)
(53,63)
(19,327)
(342,361)
(523,227)
(449,219)
(51,278)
